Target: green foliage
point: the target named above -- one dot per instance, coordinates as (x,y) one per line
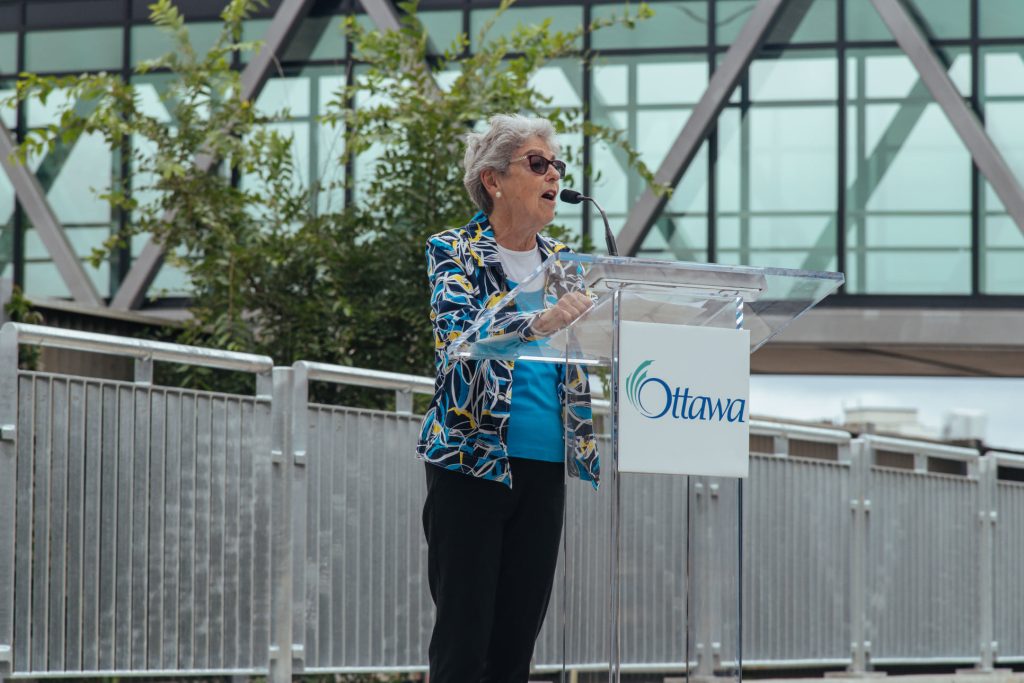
(271,274)
(19,309)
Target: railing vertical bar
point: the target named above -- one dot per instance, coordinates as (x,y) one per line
(41,523)
(233,614)
(57,560)
(247,526)
(172,531)
(140,527)
(204,415)
(123,567)
(186,567)
(389,541)
(319,443)
(218,454)
(93,522)
(334,647)
(340,434)
(315,474)
(258,448)
(24,531)
(108,528)
(156,534)
(76,525)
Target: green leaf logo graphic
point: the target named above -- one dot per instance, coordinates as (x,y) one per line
(633,383)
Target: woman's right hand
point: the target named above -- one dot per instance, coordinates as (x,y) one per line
(570,307)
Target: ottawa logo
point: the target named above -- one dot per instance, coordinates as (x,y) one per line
(653,398)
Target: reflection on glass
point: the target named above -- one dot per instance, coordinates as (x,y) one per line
(908,185)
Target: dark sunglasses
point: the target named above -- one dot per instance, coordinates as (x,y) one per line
(539,165)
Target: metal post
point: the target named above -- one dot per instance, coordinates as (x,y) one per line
(144,371)
(280,662)
(860,506)
(8,491)
(615,632)
(403,402)
(701,529)
(988,469)
(296,416)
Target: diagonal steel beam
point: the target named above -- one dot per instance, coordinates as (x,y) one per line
(382,13)
(723,81)
(285,23)
(965,122)
(33,200)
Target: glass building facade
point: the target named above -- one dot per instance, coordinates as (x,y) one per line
(830,155)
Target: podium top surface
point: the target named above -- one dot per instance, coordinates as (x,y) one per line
(648,290)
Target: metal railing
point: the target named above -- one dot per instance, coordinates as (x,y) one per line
(151,530)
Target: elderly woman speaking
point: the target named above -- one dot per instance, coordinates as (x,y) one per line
(495,467)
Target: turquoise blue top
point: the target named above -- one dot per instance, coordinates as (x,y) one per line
(535,419)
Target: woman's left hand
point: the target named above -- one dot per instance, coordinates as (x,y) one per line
(567,309)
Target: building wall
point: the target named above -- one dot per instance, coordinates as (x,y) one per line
(831,154)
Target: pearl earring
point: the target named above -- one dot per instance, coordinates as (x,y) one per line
(497,194)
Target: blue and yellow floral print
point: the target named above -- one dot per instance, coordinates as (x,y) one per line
(466,427)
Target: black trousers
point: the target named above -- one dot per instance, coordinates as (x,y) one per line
(491,564)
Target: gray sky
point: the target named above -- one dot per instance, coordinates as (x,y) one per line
(823,397)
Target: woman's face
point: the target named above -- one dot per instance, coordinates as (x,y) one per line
(525,194)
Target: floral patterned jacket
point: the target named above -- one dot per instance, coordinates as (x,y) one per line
(466,427)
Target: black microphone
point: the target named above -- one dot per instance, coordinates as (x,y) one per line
(573,197)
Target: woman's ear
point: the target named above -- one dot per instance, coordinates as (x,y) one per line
(490,181)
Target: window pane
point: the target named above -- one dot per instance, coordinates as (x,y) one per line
(75,50)
(443,27)
(317,38)
(8,53)
(73,176)
(908,185)
(674,24)
(1000,18)
(150,42)
(798,22)
(939,20)
(629,94)
(1002,242)
(776,170)
(563,18)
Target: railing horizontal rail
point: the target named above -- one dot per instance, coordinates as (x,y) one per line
(142,349)
(361,377)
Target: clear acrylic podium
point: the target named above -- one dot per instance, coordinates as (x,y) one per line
(651,575)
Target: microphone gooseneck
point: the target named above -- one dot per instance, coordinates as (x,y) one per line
(573,197)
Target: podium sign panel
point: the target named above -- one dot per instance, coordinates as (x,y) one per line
(684,397)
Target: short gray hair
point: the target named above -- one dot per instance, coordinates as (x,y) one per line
(493,149)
